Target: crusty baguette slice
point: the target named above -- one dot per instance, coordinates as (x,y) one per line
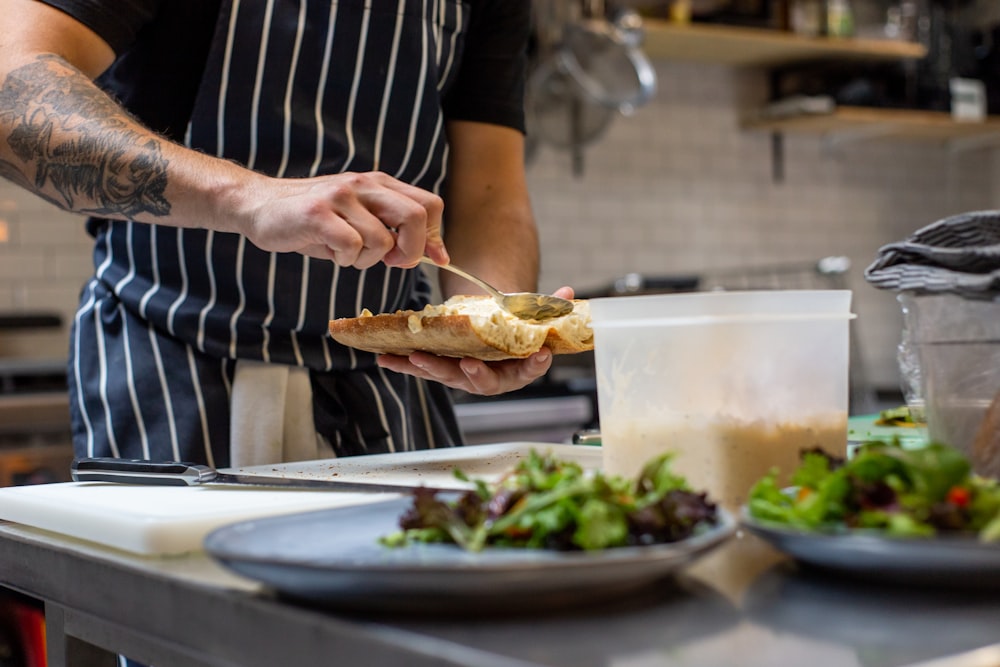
(465,326)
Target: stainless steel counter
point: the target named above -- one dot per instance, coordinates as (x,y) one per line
(743,605)
(35,433)
(542,419)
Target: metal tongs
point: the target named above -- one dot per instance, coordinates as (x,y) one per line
(525,305)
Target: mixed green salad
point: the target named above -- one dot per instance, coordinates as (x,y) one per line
(900,492)
(547,503)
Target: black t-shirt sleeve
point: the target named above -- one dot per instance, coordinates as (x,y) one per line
(154,76)
(490,84)
(116,23)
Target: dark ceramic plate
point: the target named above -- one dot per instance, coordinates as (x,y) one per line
(333,557)
(936,561)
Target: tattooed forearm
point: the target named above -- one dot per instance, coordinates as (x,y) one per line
(85,153)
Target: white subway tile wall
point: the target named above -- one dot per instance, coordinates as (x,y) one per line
(43,264)
(679,188)
(675,188)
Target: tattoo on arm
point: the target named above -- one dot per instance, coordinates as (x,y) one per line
(80,143)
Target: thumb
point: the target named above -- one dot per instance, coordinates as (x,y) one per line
(434,246)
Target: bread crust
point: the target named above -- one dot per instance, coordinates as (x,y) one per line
(407,331)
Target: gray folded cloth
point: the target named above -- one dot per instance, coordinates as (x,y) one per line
(957,255)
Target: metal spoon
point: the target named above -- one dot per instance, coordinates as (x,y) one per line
(525,305)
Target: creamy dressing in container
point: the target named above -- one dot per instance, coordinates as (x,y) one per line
(734,383)
(724,456)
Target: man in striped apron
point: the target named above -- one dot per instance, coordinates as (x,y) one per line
(283,163)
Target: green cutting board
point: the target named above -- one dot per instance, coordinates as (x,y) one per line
(863,427)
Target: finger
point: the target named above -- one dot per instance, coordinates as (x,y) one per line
(535,366)
(437,252)
(346,246)
(472,375)
(481,378)
(356,254)
(429,367)
(430,241)
(405,220)
(364,240)
(418,237)
(442,369)
(389,219)
(502,377)
(409,240)
(565,292)
(429,201)
(399,364)
(376,244)
(318,252)
(434,242)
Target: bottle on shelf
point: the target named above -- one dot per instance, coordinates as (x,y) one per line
(839,18)
(805,17)
(680,12)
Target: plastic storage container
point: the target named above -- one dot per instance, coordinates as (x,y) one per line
(952,346)
(733,383)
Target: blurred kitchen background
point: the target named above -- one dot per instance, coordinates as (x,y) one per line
(764,135)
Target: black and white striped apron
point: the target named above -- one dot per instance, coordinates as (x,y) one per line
(292,88)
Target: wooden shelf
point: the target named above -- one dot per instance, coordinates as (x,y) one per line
(868,123)
(757,47)
(737,46)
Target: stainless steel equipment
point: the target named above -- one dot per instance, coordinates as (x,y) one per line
(35,436)
(587,66)
(552,418)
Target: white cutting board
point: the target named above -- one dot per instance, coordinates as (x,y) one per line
(155,520)
(168,520)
